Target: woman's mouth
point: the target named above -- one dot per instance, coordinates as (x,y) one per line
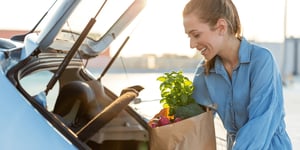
(202,50)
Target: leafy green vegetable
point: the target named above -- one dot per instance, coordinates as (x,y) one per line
(176,92)
(189,110)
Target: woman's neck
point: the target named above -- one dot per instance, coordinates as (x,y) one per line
(230,52)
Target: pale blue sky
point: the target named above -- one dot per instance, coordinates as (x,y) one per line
(160,29)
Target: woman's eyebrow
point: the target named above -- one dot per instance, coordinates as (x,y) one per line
(189,32)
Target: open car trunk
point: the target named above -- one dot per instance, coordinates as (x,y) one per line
(49,70)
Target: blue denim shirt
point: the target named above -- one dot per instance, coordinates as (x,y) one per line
(250,104)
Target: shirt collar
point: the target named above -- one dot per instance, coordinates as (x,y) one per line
(244,56)
(244,51)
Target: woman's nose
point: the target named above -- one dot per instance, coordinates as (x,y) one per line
(193,44)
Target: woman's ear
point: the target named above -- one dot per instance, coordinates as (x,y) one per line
(221,26)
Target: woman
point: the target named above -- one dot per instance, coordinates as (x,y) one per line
(243,79)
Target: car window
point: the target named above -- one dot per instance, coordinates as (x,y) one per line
(36,83)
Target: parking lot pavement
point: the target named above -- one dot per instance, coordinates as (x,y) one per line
(292,107)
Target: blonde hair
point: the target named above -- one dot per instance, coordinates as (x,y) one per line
(210,11)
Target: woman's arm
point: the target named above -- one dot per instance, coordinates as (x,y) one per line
(266,105)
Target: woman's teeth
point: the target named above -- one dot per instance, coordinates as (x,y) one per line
(203,49)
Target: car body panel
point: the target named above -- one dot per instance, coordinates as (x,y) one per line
(22,126)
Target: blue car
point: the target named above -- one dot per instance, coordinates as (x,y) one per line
(49,98)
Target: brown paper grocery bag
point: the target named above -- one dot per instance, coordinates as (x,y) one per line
(195,133)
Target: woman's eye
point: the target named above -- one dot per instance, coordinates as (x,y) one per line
(196,35)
